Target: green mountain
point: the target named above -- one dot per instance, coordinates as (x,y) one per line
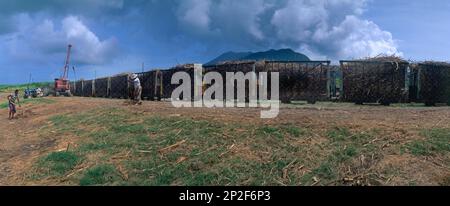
(229,56)
(273,55)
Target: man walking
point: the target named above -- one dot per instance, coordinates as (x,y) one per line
(13,99)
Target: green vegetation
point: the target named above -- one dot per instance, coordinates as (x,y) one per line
(295,131)
(22,87)
(157,150)
(408,105)
(116,147)
(30,101)
(436,141)
(58,163)
(282,55)
(100,175)
(345,148)
(338,134)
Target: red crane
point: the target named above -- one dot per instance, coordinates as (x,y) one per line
(62,85)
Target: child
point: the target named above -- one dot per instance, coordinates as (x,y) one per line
(12,98)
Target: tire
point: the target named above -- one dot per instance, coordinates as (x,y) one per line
(285,100)
(430,104)
(57,94)
(311,100)
(385,103)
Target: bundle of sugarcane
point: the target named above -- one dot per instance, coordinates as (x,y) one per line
(378,80)
(434,82)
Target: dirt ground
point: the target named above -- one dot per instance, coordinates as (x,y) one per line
(21,143)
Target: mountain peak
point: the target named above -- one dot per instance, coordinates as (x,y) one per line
(272,54)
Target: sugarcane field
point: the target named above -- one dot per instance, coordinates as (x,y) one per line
(190,94)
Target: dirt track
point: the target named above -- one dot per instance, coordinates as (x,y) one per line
(21,143)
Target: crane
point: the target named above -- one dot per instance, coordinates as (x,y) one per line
(62,84)
(66,65)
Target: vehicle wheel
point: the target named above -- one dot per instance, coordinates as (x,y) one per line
(311,101)
(359,103)
(57,94)
(285,100)
(430,104)
(385,103)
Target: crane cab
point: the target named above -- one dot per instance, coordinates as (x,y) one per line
(62,87)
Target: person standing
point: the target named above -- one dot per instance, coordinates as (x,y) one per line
(13,99)
(137,88)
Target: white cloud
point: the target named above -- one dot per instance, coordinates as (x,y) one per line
(220,22)
(332,28)
(327,28)
(91,50)
(49,40)
(195,13)
(240,17)
(361,38)
(298,20)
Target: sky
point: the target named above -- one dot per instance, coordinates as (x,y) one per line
(115,36)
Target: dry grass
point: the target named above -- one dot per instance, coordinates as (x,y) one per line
(155,144)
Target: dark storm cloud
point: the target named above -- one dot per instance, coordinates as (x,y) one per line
(122,33)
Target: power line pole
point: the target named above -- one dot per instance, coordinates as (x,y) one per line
(142,67)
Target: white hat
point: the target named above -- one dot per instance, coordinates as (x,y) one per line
(133,76)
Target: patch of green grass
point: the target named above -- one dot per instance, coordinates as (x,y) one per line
(29,101)
(22,87)
(100,175)
(338,134)
(4,105)
(350,151)
(326,171)
(143,139)
(419,148)
(58,163)
(436,141)
(345,147)
(65,123)
(343,155)
(269,130)
(294,131)
(133,129)
(94,146)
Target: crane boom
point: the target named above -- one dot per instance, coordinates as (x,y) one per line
(62,85)
(66,65)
